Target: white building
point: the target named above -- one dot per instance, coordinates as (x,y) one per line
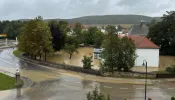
(145,50)
(96,53)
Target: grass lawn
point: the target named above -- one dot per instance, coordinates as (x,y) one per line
(17,53)
(7,82)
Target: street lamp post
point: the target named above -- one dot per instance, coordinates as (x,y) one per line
(145,64)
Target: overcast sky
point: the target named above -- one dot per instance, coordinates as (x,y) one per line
(20,9)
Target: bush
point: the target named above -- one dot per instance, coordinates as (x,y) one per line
(172,98)
(17,53)
(96,95)
(87,62)
(171,69)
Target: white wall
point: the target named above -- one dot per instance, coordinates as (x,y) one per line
(150,55)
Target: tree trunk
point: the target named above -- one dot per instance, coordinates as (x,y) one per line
(35,57)
(45,57)
(70,56)
(40,57)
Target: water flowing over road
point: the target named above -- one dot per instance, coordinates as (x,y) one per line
(56,84)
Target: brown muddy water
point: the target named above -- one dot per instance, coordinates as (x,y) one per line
(63,58)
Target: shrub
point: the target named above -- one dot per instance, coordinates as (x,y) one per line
(96,95)
(87,62)
(172,98)
(171,69)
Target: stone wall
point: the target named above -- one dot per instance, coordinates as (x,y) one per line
(92,71)
(130,74)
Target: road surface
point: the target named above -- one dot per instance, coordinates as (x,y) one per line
(55,84)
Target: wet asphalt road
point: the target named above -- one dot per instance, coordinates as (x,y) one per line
(54,85)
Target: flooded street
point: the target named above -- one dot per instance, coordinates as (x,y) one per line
(56,84)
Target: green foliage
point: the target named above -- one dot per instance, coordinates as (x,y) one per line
(70,49)
(172,98)
(118,53)
(58,31)
(78,32)
(72,40)
(96,95)
(87,62)
(93,36)
(163,34)
(171,69)
(11,28)
(17,53)
(152,23)
(35,39)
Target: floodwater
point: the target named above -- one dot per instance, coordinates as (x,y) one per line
(55,84)
(63,58)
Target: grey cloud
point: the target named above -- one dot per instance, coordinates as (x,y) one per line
(17,9)
(148,7)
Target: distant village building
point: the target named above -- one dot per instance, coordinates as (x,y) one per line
(97,53)
(72,26)
(139,29)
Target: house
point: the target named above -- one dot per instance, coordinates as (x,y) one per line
(139,29)
(145,50)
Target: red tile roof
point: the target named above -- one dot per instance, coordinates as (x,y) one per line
(143,42)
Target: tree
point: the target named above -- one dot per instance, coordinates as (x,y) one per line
(110,43)
(35,39)
(96,95)
(98,39)
(87,62)
(152,23)
(93,36)
(163,34)
(78,32)
(126,54)
(58,31)
(12,28)
(118,53)
(70,49)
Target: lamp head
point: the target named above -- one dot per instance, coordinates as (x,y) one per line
(143,64)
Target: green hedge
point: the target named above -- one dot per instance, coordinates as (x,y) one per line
(17,53)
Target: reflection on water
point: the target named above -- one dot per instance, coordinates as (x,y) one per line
(63,58)
(67,88)
(18,93)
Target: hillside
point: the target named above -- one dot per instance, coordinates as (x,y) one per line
(109,19)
